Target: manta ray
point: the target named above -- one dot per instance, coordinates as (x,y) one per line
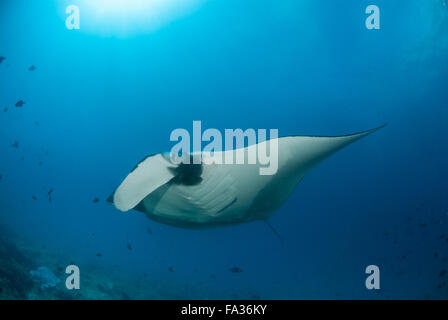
(208,195)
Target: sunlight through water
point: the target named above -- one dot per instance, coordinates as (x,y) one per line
(124,18)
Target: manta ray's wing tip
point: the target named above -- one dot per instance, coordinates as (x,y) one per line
(110,199)
(361,134)
(367,132)
(381,126)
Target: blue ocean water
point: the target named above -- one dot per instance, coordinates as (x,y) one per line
(106,95)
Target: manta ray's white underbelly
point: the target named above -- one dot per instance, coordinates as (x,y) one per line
(226,192)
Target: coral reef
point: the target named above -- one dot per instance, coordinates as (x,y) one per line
(15,280)
(45,277)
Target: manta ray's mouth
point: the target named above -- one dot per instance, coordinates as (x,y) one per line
(187,174)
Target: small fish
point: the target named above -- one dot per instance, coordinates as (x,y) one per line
(442,273)
(98,254)
(149,230)
(34,198)
(49,194)
(170,269)
(19,103)
(36,123)
(60,269)
(5,110)
(236,270)
(423,225)
(40,163)
(128,245)
(15,144)
(96,200)
(32,68)
(1,59)
(436,254)
(1,177)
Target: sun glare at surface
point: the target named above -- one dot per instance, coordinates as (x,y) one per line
(129,17)
(120,7)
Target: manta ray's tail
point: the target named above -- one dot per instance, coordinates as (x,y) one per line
(277,235)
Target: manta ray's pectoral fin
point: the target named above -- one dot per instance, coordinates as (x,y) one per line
(148,175)
(139,207)
(308,151)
